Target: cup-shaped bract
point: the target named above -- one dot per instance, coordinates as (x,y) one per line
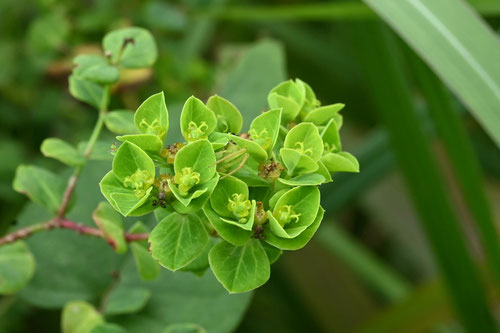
(197,120)
(289,96)
(265,129)
(152,116)
(229,119)
(305,139)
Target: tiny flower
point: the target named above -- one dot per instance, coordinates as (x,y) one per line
(140,181)
(299,146)
(240,207)
(286,214)
(196,132)
(186,179)
(262,138)
(152,128)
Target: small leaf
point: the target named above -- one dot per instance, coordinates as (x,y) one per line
(125,300)
(184,328)
(147,142)
(199,156)
(240,268)
(291,244)
(255,151)
(272,252)
(111,224)
(320,116)
(62,151)
(152,116)
(79,317)
(86,91)
(17,266)
(305,139)
(197,203)
(228,117)
(197,120)
(95,68)
(121,122)
(224,192)
(130,158)
(108,328)
(340,162)
(297,163)
(218,140)
(147,267)
(40,185)
(289,96)
(131,47)
(177,240)
(226,231)
(331,138)
(265,129)
(309,179)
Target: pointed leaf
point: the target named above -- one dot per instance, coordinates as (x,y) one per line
(152,116)
(321,115)
(342,161)
(130,158)
(197,120)
(62,151)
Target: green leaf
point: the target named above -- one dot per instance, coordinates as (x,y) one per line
(272,252)
(292,244)
(147,267)
(130,158)
(289,96)
(111,224)
(197,120)
(177,240)
(121,122)
(184,328)
(147,142)
(331,137)
(340,162)
(440,32)
(86,91)
(305,139)
(199,156)
(200,264)
(125,300)
(152,116)
(195,204)
(255,151)
(131,47)
(95,68)
(297,163)
(228,117)
(79,317)
(108,328)
(265,129)
(248,225)
(224,192)
(218,140)
(304,201)
(100,152)
(323,114)
(308,179)
(17,266)
(62,151)
(40,185)
(228,232)
(240,268)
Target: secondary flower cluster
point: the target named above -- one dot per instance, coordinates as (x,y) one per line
(257,191)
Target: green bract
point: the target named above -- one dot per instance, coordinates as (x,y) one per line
(257,191)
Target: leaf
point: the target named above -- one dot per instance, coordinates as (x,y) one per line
(147,142)
(297,163)
(40,185)
(86,91)
(148,267)
(440,32)
(298,242)
(228,232)
(200,264)
(289,96)
(309,179)
(152,116)
(120,122)
(323,114)
(130,158)
(108,328)
(184,328)
(240,268)
(331,138)
(125,300)
(131,47)
(265,129)
(218,140)
(272,252)
(224,191)
(340,162)
(111,224)
(199,156)
(255,151)
(79,317)
(195,204)
(100,152)
(197,120)
(177,240)
(17,266)
(228,117)
(62,151)
(305,138)
(95,68)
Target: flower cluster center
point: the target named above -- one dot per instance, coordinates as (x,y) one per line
(196,132)
(153,128)
(140,181)
(240,207)
(186,179)
(286,214)
(299,146)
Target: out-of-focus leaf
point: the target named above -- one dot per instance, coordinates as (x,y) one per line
(17,266)
(126,300)
(121,122)
(79,317)
(131,47)
(62,151)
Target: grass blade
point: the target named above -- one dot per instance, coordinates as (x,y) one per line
(459,47)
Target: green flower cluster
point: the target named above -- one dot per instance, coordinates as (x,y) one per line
(256,191)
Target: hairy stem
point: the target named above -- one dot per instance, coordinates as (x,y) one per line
(60,223)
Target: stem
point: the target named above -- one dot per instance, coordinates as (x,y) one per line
(59,223)
(68,192)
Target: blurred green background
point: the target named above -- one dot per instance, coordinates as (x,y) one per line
(377,262)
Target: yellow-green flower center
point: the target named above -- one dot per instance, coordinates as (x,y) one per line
(262,137)
(152,128)
(140,181)
(186,179)
(195,132)
(286,214)
(329,148)
(240,207)
(299,146)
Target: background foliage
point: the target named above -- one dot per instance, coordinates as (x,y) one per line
(409,244)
